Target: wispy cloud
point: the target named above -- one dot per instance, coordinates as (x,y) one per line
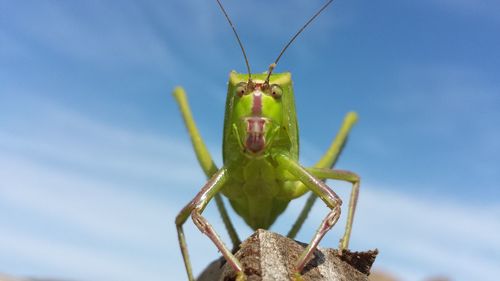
(85,200)
(73,261)
(445,237)
(108,38)
(452,93)
(419,237)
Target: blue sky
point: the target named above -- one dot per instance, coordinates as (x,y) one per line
(95,162)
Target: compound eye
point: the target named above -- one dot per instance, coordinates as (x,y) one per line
(241,89)
(276,91)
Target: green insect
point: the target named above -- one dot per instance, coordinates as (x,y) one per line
(261,174)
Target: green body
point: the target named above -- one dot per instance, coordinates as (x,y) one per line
(258,190)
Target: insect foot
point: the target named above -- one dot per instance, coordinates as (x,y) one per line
(297,277)
(341,247)
(240,276)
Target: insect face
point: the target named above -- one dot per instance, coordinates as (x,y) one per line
(258,112)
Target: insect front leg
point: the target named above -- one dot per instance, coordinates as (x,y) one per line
(351,177)
(328,160)
(204,158)
(195,209)
(330,198)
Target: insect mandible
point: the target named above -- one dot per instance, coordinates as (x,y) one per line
(261,174)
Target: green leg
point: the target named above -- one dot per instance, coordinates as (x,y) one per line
(321,190)
(206,162)
(332,154)
(204,158)
(324,173)
(327,161)
(195,209)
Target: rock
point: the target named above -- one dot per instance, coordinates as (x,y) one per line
(268,256)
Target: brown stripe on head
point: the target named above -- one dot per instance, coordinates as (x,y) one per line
(257,103)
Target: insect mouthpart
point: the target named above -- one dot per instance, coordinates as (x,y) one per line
(255,141)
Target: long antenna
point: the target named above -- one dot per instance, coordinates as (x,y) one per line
(237,38)
(273,65)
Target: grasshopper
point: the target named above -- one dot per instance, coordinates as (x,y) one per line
(261,174)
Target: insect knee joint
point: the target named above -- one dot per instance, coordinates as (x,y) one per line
(333,216)
(335,203)
(198,220)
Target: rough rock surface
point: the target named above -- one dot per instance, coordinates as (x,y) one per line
(267,256)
